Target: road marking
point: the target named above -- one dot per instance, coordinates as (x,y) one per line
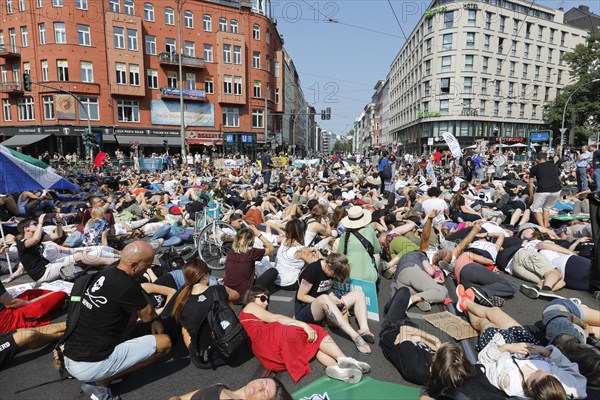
(282,298)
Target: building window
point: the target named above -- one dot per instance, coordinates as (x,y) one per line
(24,36)
(563,36)
(48,107)
(90,104)
(484,83)
(426,88)
(525,70)
(498,88)
(468,85)
(233,26)
(486,42)
(515,26)
(132,39)
(60,33)
(559,77)
(206,23)
(21,5)
(231,117)
(502,23)
(449,19)
(469,63)
(538,53)
(237,85)
(267,36)
(540,32)
(62,70)
(548,74)
(481,107)
(509,109)
(83,35)
(128,111)
(256,59)
(42,29)
(87,71)
(209,85)
(258,118)
(523,90)
(152,78)
(9,6)
(488,20)
(208,52)
(169,16)
(190,49)
(470,40)
(536,89)
(223,24)
(526,51)
(511,89)
(257,89)
(511,71)
(40,3)
(227,53)
(150,45)
(528,30)
(190,81)
(237,54)
(426,106)
(550,56)
(430,25)
(227,84)
(534,111)
(486,61)
(57,3)
(428,46)
(6,110)
(256,32)
(445,85)
(444,107)
(45,76)
(171,79)
(129,7)
(446,63)
(121,71)
(496,108)
(119,37)
(276,62)
(472,18)
(148,12)
(427,67)
(134,74)
(114,5)
(499,62)
(447,42)
(26,108)
(537,73)
(276,95)
(268,62)
(513,48)
(170,46)
(188,20)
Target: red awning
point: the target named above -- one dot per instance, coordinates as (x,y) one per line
(205,141)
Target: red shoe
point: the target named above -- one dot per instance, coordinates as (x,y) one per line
(462,296)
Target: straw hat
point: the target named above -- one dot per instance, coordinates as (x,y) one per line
(357,218)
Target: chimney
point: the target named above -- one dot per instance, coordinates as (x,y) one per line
(584,8)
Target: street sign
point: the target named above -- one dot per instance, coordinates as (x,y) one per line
(563,130)
(430,141)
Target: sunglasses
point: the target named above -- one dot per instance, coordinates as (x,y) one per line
(263,298)
(33,224)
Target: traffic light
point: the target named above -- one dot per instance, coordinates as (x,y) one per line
(328,112)
(89,138)
(27,81)
(323,114)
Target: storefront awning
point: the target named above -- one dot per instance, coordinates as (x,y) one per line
(155,141)
(23,140)
(205,141)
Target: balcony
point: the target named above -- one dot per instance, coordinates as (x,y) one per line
(11,88)
(165,58)
(173,93)
(9,51)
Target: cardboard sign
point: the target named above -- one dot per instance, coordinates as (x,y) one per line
(454,326)
(368,288)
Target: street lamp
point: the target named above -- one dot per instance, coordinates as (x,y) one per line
(562,129)
(180,4)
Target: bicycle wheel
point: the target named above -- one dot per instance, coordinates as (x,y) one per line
(211,247)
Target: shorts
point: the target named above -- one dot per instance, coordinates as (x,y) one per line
(53,269)
(514,334)
(544,201)
(303,312)
(8,348)
(123,357)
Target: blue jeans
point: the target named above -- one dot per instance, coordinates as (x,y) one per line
(597,178)
(582,181)
(74,239)
(168,232)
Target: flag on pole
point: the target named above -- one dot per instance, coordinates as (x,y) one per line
(453,144)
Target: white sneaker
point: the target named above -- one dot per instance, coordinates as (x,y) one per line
(349,362)
(349,375)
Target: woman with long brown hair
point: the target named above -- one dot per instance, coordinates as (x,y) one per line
(190,309)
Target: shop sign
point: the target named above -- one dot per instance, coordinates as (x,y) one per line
(428,114)
(430,13)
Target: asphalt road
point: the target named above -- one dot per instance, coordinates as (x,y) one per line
(30,374)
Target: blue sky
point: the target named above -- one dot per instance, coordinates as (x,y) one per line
(339,62)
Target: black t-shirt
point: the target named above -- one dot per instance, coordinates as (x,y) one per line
(313,274)
(548,177)
(209,393)
(596,159)
(32,259)
(106,308)
(410,259)
(505,255)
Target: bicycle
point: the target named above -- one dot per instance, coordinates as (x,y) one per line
(213,237)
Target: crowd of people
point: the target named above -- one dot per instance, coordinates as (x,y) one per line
(424,224)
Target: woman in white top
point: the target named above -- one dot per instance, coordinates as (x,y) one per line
(292,255)
(318,231)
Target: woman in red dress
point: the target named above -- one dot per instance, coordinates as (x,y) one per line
(284,344)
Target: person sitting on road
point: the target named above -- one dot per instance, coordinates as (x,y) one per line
(95,352)
(292,255)
(315,300)
(285,344)
(263,388)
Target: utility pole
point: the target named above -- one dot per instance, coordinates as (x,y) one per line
(180,4)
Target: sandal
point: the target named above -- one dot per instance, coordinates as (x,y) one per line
(361,345)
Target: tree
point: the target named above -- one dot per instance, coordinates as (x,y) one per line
(583,111)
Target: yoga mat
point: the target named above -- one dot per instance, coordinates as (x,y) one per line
(326,388)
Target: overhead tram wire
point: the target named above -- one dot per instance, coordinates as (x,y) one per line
(397,20)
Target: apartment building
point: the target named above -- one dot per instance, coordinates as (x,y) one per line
(120,60)
(480,70)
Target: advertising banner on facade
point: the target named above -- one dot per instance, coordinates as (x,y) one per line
(65,106)
(166,112)
(452,144)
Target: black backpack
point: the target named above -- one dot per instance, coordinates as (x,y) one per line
(386,172)
(170,260)
(228,334)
